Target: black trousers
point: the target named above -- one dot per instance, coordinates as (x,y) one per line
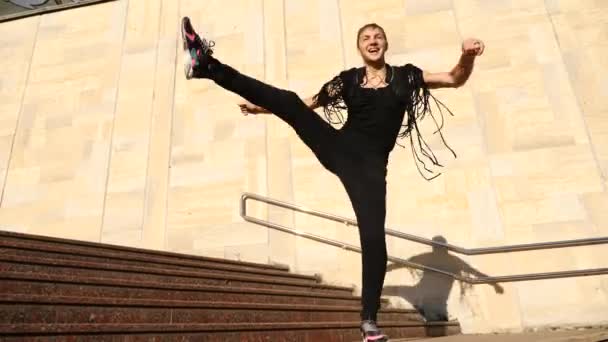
(362,172)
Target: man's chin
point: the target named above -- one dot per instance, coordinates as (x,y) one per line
(373,59)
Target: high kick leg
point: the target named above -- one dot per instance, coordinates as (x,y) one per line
(317,134)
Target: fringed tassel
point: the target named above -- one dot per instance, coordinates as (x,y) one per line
(420,107)
(330,97)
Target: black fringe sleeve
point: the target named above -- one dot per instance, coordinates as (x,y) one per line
(331,98)
(420,104)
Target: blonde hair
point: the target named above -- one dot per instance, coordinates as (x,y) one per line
(370,25)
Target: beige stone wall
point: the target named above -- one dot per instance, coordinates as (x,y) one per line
(102,139)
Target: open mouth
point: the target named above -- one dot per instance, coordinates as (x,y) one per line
(373,50)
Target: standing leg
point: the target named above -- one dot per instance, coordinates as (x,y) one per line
(366,188)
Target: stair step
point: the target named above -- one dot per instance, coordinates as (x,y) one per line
(76,269)
(32,309)
(216,332)
(45,284)
(46,251)
(55,289)
(64,285)
(76,247)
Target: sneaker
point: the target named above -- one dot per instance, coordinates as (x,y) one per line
(195,49)
(371,333)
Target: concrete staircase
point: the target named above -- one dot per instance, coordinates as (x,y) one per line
(56,289)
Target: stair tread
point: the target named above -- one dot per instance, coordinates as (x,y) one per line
(59,278)
(184,268)
(156,271)
(168,303)
(22,247)
(106,246)
(198,327)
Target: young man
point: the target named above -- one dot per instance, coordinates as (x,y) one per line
(377,96)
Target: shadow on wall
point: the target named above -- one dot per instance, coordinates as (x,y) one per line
(430,295)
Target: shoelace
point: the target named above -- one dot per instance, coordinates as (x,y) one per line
(206,45)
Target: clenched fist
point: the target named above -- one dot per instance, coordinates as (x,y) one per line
(250,108)
(473,47)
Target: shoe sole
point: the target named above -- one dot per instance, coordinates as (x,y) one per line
(384,338)
(186,54)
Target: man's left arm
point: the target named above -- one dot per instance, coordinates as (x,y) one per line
(471,48)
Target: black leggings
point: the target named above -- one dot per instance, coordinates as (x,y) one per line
(363,174)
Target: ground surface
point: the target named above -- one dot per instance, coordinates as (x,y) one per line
(561,336)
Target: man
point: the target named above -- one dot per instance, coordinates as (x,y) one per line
(377,97)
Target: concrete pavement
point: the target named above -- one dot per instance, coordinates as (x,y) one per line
(594,335)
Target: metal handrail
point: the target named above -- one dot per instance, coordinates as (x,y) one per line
(475,251)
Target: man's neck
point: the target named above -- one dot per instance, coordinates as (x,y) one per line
(375,67)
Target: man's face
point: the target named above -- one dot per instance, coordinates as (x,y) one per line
(372,44)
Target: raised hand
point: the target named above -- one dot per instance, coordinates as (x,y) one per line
(473,47)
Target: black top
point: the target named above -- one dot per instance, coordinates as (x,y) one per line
(376,116)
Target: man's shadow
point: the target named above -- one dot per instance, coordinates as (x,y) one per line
(430,295)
